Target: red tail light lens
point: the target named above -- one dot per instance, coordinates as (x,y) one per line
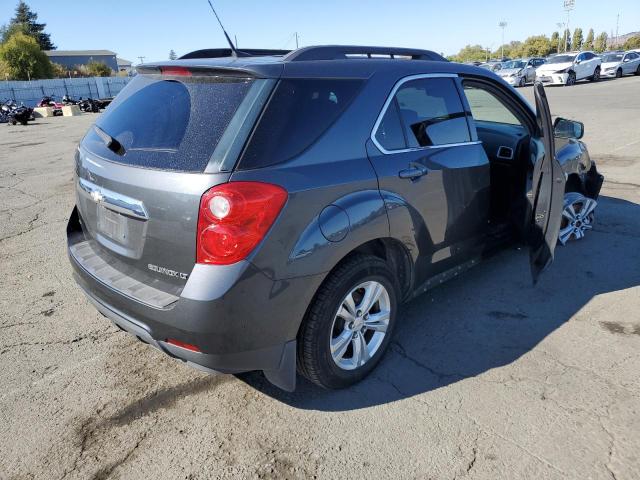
(234,218)
(186,346)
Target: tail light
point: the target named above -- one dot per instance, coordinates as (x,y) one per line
(176,71)
(234,217)
(186,346)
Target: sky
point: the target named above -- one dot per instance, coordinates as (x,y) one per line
(134,28)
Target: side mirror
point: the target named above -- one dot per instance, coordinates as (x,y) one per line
(626,60)
(564,128)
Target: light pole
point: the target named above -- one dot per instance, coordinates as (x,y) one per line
(502,25)
(142,59)
(560,25)
(568,6)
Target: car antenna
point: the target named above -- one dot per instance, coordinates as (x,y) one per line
(234,51)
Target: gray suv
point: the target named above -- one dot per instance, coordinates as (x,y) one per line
(266,211)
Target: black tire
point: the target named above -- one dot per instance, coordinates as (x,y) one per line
(619,73)
(314,356)
(637,72)
(596,75)
(571,79)
(522,82)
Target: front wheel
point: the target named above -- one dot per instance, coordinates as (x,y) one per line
(571,79)
(619,73)
(596,75)
(349,324)
(523,82)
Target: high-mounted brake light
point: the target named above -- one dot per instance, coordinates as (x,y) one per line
(176,71)
(234,217)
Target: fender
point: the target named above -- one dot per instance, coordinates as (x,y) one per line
(339,228)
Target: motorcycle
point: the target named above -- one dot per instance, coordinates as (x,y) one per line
(89,105)
(67,100)
(13,113)
(50,102)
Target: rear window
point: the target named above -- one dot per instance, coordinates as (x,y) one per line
(169,123)
(298,113)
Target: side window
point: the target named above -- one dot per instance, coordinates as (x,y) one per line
(432,113)
(588,56)
(580,58)
(486,107)
(389,133)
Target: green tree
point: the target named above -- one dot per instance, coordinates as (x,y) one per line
(23,59)
(512,49)
(566,40)
(600,44)
(555,42)
(588,43)
(59,71)
(536,46)
(471,53)
(632,43)
(576,43)
(98,69)
(26,21)
(172,55)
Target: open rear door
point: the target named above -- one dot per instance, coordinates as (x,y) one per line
(547,193)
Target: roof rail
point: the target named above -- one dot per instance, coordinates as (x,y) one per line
(226,52)
(340,52)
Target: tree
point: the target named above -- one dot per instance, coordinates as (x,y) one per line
(25,21)
(59,71)
(555,42)
(98,69)
(576,44)
(588,43)
(632,43)
(566,40)
(536,46)
(172,55)
(471,53)
(600,44)
(23,59)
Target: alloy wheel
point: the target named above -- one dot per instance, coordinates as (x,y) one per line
(577,216)
(571,79)
(619,73)
(360,325)
(596,75)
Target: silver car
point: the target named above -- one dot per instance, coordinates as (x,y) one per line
(617,64)
(518,73)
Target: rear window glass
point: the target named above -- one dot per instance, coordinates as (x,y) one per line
(169,123)
(298,113)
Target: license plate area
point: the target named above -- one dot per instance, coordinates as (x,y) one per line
(112,225)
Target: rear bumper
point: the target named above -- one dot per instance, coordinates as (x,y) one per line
(240,319)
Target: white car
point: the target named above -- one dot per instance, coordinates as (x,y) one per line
(518,73)
(616,64)
(568,68)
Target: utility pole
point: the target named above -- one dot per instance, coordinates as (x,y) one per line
(617,28)
(568,6)
(502,25)
(297,40)
(142,59)
(236,39)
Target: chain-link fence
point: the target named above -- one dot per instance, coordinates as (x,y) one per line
(30,93)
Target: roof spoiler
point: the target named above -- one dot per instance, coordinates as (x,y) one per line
(227,52)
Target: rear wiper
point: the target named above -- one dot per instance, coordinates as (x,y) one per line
(112,144)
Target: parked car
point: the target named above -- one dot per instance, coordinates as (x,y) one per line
(616,64)
(281,230)
(518,73)
(493,66)
(568,68)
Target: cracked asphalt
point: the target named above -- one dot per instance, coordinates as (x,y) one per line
(487,377)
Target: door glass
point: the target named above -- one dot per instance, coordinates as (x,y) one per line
(389,134)
(485,107)
(432,112)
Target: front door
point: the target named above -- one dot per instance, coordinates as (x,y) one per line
(424,155)
(547,192)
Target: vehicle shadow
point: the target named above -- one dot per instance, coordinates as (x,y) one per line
(487,318)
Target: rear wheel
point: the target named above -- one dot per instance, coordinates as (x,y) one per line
(349,324)
(596,75)
(637,72)
(619,73)
(523,82)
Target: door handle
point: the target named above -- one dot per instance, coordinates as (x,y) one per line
(414,171)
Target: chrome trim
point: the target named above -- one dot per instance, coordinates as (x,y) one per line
(113,200)
(382,113)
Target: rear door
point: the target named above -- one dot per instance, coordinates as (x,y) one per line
(143,167)
(424,154)
(547,192)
